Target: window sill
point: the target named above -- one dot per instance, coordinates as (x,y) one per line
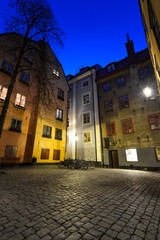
(14,130)
(58,139)
(6,72)
(59,119)
(23,81)
(45,136)
(17,106)
(60,98)
(2,100)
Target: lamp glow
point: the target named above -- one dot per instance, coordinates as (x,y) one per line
(147,92)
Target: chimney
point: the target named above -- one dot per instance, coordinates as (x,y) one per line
(130,50)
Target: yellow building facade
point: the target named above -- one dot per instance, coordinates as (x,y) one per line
(150,12)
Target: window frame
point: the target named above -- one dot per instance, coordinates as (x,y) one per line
(12,153)
(15,129)
(84,94)
(88,142)
(87,84)
(69,104)
(19,105)
(126,120)
(60,116)
(6,69)
(122,82)
(60,94)
(56,73)
(107,88)
(1,93)
(57,131)
(108,104)
(24,77)
(143,73)
(47,135)
(89,118)
(125,106)
(152,129)
(111,133)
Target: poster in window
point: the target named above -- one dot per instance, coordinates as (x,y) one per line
(157,149)
(131,155)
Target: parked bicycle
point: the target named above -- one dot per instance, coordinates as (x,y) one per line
(79,164)
(67,163)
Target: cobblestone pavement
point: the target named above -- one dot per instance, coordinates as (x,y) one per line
(48,203)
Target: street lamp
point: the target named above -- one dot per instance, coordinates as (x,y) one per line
(147,92)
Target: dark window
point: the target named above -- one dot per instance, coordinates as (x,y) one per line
(110,128)
(123,102)
(85,83)
(47,131)
(7,67)
(154,121)
(60,94)
(69,104)
(58,134)
(111,67)
(127,125)
(85,98)
(56,154)
(108,105)
(121,82)
(67,122)
(3,93)
(86,118)
(143,73)
(106,86)
(15,125)
(59,114)
(24,77)
(10,151)
(45,153)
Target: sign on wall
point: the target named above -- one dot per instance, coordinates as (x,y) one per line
(131,155)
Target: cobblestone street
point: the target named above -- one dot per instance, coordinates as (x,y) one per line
(50,203)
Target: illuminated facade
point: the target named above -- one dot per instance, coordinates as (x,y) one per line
(150,12)
(83,132)
(31,130)
(130,122)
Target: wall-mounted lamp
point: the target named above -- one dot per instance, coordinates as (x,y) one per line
(138,138)
(147,137)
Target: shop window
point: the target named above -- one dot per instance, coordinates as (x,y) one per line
(3,93)
(47,131)
(110,128)
(58,134)
(20,100)
(45,153)
(15,125)
(123,102)
(56,154)
(108,105)
(127,126)
(59,114)
(10,151)
(154,121)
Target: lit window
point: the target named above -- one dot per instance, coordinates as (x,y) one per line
(55,73)
(47,131)
(86,118)
(6,67)
(60,94)
(154,121)
(58,134)
(20,100)
(59,114)
(110,128)
(56,154)
(10,151)
(24,77)
(106,86)
(85,83)
(131,155)
(86,137)
(123,102)
(121,82)
(143,73)
(15,125)
(127,125)
(108,105)
(3,92)
(85,98)
(45,153)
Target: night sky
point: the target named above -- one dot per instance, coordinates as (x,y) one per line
(95,31)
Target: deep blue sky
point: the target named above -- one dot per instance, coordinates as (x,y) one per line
(96,31)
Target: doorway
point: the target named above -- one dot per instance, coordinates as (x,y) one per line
(113,159)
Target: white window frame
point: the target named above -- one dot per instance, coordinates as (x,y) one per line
(87,93)
(18,100)
(3,91)
(89,118)
(59,114)
(16,124)
(87,80)
(87,137)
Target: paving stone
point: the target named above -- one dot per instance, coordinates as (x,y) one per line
(123,236)
(74,236)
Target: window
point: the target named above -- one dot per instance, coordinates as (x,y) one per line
(111,67)
(154,121)
(69,104)
(15,125)
(127,125)
(60,94)
(123,102)
(67,122)
(121,82)
(3,93)
(110,128)
(143,73)
(10,151)
(58,134)
(86,118)
(59,114)
(56,73)
(20,100)
(106,87)
(87,137)
(86,99)
(45,153)
(56,154)
(7,67)
(24,77)
(108,105)
(47,131)
(85,83)
(131,155)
